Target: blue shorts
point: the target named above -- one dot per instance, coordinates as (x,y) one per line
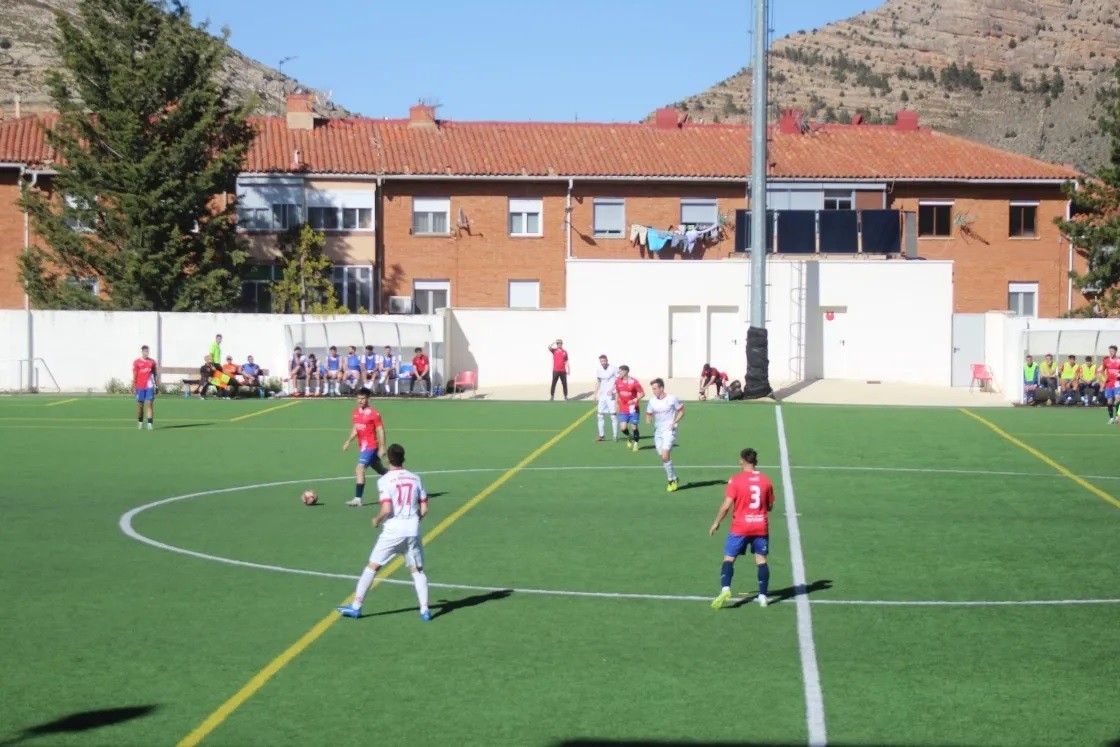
(146,395)
(367,457)
(1110,392)
(628,417)
(736,545)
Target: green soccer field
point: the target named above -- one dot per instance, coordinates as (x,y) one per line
(168,587)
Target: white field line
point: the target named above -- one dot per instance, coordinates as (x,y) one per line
(810,672)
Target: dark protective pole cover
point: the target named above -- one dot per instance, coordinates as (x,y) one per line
(757,384)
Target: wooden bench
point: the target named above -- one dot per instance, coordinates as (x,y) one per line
(190,379)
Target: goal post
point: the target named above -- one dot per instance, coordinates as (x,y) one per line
(402,336)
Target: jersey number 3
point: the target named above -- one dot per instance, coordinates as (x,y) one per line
(756,497)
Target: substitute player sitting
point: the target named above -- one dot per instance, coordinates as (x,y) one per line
(630,395)
(608,402)
(750,498)
(404,503)
(370,431)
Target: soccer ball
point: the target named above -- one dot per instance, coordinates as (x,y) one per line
(310,497)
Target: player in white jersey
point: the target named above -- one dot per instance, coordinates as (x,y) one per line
(665,411)
(403,504)
(608,397)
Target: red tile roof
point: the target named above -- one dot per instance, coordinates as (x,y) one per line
(696,151)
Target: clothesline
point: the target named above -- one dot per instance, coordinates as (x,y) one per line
(655,239)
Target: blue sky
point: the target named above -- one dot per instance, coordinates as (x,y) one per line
(534,60)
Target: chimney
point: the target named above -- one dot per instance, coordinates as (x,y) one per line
(790,121)
(301,116)
(421,115)
(906,120)
(667,118)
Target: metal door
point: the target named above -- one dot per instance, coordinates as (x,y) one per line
(968,346)
(686,341)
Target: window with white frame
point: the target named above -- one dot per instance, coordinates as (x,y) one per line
(524,294)
(431,216)
(608,218)
(1024,220)
(431,295)
(269,203)
(77,214)
(699,212)
(838,199)
(525,217)
(1022,299)
(340,209)
(935,218)
(256,288)
(93,285)
(353,287)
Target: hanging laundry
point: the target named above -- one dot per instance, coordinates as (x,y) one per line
(690,239)
(676,240)
(638,234)
(657,239)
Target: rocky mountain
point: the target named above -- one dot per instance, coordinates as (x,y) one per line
(27,53)
(1021,75)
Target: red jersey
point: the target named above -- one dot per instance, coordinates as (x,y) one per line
(420,364)
(143,373)
(366,422)
(1111,368)
(559,359)
(753,497)
(629,390)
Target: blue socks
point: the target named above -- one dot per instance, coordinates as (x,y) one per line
(726,571)
(359,489)
(763,577)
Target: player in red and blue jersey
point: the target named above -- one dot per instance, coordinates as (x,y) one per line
(144,375)
(1110,369)
(630,395)
(750,498)
(370,432)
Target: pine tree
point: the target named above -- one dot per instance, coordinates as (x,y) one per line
(305,285)
(1095,226)
(145,146)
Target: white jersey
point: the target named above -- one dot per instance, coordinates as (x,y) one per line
(607,377)
(403,491)
(663,409)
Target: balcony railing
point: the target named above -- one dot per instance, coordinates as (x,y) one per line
(877,232)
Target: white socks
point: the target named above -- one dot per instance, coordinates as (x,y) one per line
(420,581)
(669,469)
(614,426)
(363,586)
(600,418)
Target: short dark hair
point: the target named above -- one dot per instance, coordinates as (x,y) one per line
(364,392)
(395,455)
(750,456)
(418,350)
(332,347)
(659,381)
(143,347)
(1110,347)
(624,367)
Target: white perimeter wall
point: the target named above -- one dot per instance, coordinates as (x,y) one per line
(83,350)
(897,327)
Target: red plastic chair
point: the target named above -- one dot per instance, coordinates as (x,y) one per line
(464,380)
(982,373)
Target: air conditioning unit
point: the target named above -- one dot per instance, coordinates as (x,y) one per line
(400,304)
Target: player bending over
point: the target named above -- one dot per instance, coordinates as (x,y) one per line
(750,498)
(370,431)
(403,504)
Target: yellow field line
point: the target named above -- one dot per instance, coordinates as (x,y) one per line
(215,719)
(274,408)
(62,402)
(1036,453)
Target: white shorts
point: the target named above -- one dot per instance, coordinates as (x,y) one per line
(664,440)
(608,405)
(390,543)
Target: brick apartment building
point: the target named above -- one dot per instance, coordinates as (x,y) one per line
(423,213)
